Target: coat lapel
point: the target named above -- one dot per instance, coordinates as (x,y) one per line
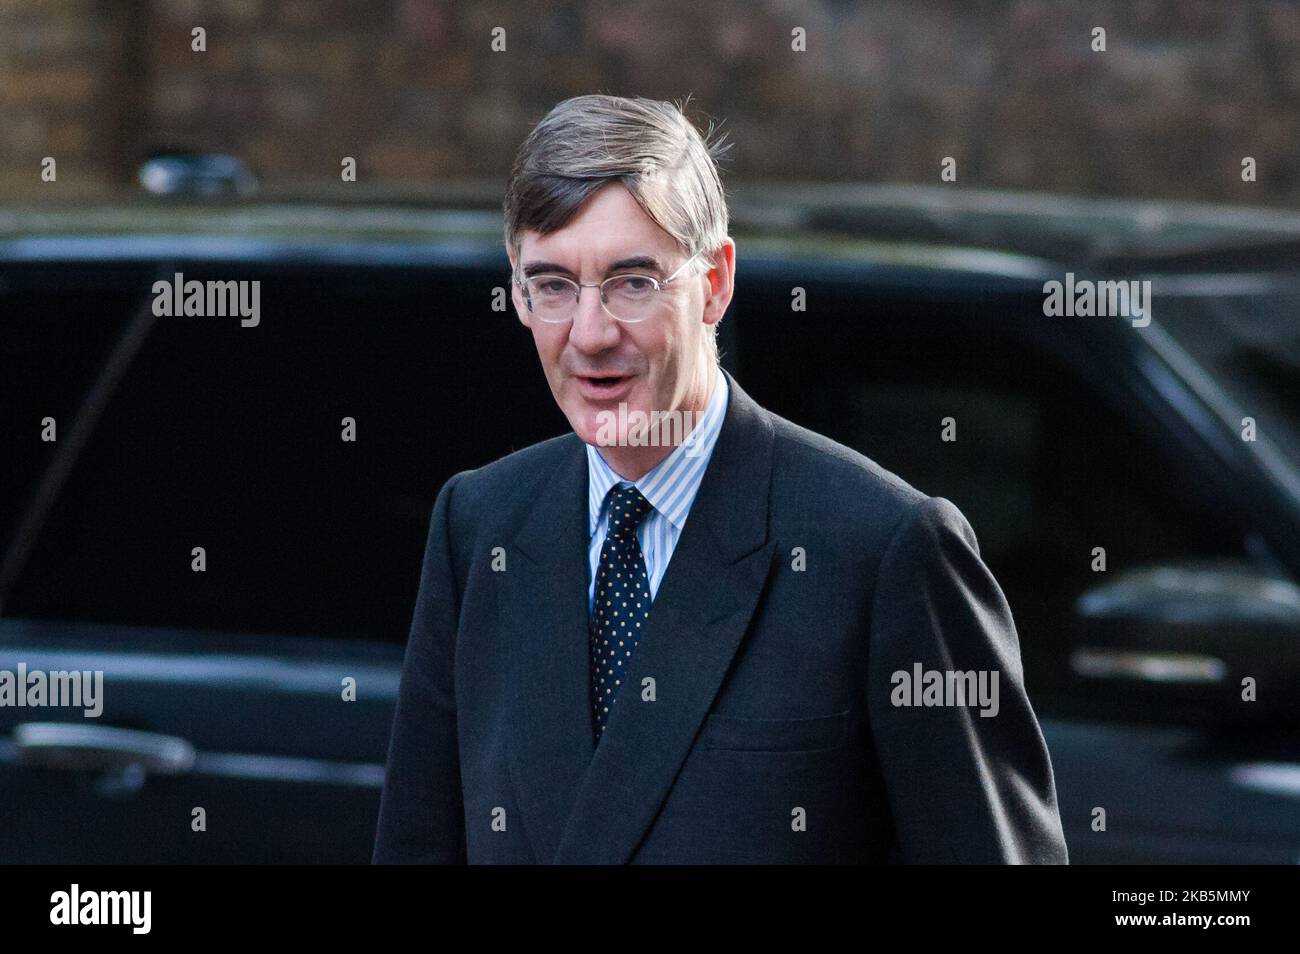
(698,618)
(543,615)
(583,808)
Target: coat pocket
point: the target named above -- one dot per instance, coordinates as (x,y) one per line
(735,733)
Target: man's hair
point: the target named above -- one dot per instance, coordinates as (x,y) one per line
(587,142)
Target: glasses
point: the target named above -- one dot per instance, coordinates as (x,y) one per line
(628,298)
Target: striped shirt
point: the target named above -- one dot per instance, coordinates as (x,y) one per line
(670,488)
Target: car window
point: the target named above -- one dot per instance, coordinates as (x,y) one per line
(1249,343)
(54,340)
(1046,464)
(230,439)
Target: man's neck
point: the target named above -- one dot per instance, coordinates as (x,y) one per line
(633,463)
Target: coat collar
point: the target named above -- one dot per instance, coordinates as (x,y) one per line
(670,486)
(585,807)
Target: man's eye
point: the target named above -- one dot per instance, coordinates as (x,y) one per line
(551,286)
(636,284)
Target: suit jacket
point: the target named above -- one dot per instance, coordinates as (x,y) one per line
(757,721)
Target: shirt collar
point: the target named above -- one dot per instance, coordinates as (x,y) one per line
(670,486)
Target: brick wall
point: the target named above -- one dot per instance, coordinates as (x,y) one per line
(411,88)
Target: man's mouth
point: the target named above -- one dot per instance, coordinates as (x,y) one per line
(603,387)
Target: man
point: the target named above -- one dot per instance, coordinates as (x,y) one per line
(741,648)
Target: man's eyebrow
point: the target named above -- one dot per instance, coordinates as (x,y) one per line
(647,262)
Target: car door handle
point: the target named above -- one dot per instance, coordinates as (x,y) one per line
(1093,662)
(94,748)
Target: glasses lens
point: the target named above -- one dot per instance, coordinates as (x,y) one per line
(630,298)
(553,297)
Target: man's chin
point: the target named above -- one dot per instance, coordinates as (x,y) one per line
(601,425)
(589,423)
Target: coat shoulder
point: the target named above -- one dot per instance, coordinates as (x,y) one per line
(821,481)
(519,477)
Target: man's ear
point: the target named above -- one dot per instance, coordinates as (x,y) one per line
(722,281)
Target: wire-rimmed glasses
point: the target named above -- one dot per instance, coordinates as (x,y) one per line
(628,297)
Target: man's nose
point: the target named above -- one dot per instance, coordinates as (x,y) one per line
(593,329)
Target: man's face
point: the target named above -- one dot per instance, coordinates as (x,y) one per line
(595,363)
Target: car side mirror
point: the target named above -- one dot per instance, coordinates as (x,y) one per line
(1200,641)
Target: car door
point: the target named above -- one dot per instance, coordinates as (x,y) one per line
(227,523)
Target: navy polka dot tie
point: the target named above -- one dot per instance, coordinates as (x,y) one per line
(622,601)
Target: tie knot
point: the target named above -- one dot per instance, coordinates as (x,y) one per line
(627,508)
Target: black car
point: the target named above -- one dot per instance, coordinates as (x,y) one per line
(227,520)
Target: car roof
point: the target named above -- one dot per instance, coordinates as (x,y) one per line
(1007,236)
